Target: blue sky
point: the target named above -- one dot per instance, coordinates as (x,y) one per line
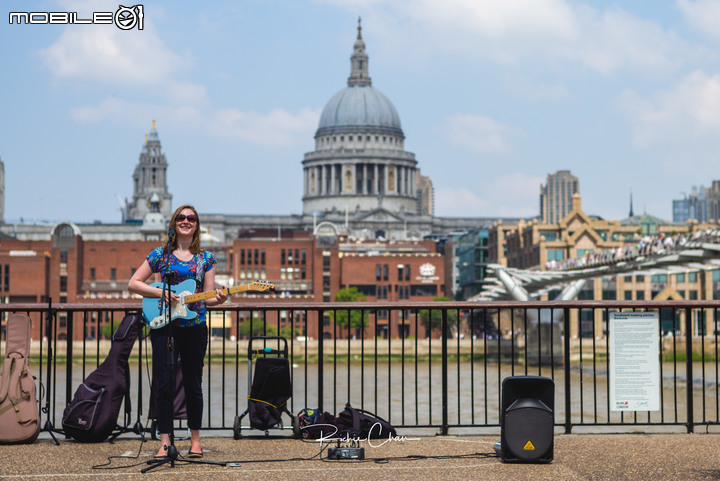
(492,96)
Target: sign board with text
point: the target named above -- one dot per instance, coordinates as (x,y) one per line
(634,361)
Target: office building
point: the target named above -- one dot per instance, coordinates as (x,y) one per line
(556,196)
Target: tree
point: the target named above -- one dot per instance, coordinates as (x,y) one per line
(432,319)
(358,318)
(258,328)
(107,330)
(289,333)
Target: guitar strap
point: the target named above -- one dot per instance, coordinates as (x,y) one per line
(200,272)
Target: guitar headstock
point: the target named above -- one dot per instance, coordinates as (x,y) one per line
(261,286)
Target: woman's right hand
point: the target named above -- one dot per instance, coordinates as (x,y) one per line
(170,296)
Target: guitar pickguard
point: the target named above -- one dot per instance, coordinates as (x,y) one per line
(156,317)
(179,308)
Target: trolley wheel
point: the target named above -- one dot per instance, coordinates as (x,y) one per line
(236,428)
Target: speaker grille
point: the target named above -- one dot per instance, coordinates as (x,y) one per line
(527,419)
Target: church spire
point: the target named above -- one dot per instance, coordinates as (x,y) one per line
(359,62)
(153,133)
(631,206)
(150,181)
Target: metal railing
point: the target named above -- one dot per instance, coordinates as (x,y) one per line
(442,384)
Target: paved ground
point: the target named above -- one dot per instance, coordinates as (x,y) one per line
(576,457)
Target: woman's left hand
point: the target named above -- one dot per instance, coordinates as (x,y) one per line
(220,295)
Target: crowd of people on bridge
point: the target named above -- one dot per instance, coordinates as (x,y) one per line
(646,245)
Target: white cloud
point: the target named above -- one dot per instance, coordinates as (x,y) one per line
(690,111)
(511,195)
(481,134)
(187,94)
(500,20)
(521,31)
(459,202)
(106,54)
(111,107)
(703,15)
(525,87)
(515,194)
(616,40)
(277,127)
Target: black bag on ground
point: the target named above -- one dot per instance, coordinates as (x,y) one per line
(351,423)
(361,424)
(92,415)
(313,424)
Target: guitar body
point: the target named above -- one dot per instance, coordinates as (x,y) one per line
(156,318)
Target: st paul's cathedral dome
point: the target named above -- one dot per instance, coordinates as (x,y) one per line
(359,165)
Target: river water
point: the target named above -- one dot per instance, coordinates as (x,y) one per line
(411,394)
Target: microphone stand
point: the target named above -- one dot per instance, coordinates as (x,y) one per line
(169,279)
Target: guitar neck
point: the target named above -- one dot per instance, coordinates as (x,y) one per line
(203,296)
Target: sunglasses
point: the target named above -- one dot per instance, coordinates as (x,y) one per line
(182,217)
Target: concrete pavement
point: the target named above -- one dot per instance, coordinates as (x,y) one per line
(576,457)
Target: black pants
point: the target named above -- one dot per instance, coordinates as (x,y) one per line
(190,345)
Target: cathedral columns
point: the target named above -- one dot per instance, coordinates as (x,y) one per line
(376,180)
(364,182)
(323,185)
(356,178)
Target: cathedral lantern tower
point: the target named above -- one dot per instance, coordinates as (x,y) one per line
(359,164)
(150,190)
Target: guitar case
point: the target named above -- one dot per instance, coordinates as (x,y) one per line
(92,415)
(19,413)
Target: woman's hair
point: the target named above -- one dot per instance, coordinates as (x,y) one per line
(195,244)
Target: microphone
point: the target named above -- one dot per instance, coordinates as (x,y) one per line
(171,233)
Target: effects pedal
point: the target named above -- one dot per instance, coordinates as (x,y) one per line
(346,453)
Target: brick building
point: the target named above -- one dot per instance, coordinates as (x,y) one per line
(366,209)
(303,267)
(316,267)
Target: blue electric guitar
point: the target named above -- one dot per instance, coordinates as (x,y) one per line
(155,316)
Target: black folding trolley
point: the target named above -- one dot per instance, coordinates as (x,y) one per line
(269,389)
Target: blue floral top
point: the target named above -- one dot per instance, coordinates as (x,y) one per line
(194,269)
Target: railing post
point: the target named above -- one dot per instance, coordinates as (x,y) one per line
(140,363)
(68,357)
(49,382)
(444,428)
(321,337)
(566,360)
(688,369)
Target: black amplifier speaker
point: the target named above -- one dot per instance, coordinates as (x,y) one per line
(527,419)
